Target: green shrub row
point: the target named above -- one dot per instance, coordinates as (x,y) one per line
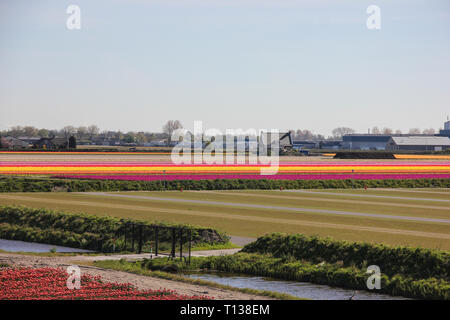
(323,273)
(414,262)
(35,184)
(332,275)
(50,224)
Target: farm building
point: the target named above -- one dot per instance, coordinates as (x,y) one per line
(446,131)
(365,141)
(52,143)
(16,143)
(418,143)
(304,144)
(30,140)
(330,144)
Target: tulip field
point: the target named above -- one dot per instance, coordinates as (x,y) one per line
(144,167)
(415,217)
(51,284)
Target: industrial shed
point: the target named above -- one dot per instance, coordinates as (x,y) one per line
(365,141)
(418,143)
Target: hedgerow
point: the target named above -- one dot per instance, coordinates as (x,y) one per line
(37,184)
(415,262)
(328,274)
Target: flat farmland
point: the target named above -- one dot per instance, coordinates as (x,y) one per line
(418,217)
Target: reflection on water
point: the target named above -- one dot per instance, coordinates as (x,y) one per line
(298,289)
(16,246)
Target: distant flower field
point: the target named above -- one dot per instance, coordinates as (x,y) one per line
(306,170)
(259,177)
(141,166)
(50,284)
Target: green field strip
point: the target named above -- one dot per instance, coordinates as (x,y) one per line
(393,194)
(261,212)
(255,227)
(376,202)
(397,192)
(374,196)
(284,198)
(239,217)
(289,201)
(276,208)
(77,202)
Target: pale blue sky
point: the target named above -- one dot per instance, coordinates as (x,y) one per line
(233,64)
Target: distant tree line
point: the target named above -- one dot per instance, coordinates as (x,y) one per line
(93,132)
(337,133)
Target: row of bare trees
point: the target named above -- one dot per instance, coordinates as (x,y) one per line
(67,131)
(376,130)
(337,133)
(93,131)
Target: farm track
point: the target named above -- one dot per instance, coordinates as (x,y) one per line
(247,218)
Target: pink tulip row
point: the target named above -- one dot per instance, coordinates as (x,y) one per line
(259,177)
(152,163)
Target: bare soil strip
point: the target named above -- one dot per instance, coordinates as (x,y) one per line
(141,282)
(234,216)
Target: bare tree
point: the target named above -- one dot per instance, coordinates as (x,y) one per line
(387,131)
(81,132)
(398,131)
(376,130)
(30,131)
(341,131)
(304,135)
(68,131)
(92,131)
(414,131)
(170,127)
(15,131)
(429,131)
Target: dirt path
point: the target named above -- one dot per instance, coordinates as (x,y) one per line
(136,256)
(141,282)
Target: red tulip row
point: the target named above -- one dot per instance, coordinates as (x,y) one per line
(51,284)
